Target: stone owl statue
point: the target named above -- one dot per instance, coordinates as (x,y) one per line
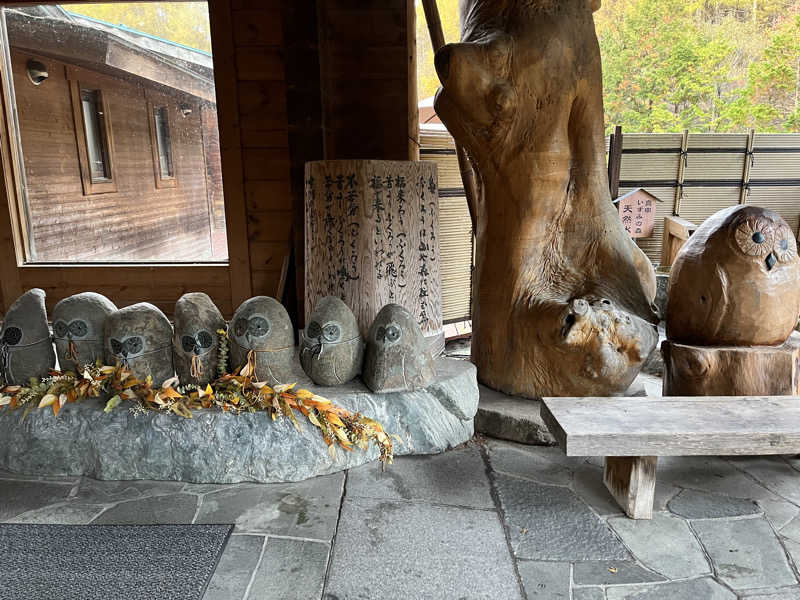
(78,323)
(261,330)
(140,338)
(397,356)
(195,342)
(736,281)
(26,348)
(331,349)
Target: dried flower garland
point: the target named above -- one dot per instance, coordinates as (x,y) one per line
(232,393)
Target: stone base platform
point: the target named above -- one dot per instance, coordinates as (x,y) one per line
(219,447)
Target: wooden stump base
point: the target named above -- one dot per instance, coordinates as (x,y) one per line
(632,482)
(732,371)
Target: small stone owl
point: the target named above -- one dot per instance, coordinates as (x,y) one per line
(26,348)
(139,337)
(397,356)
(736,281)
(78,323)
(331,349)
(261,328)
(195,343)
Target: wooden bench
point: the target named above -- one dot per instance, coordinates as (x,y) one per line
(631,433)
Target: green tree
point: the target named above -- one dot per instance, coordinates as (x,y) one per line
(427,80)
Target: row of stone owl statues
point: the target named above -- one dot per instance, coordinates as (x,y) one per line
(88,327)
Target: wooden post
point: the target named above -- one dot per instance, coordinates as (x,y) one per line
(615,161)
(632,482)
(748,165)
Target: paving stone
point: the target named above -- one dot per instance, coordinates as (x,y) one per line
(664,544)
(68,513)
(308,509)
(588,593)
(793,548)
(457,477)
(773,473)
(790,593)
(695,589)
(545,580)
(710,474)
(17,497)
(235,568)
(588,483)
(400,550)
(551,523)
(745,553)
(538,463)
(290,570)
(511,418)
(93,491)
(610,572)
(66,479)
(171,509)
(693,504)
(792,529)
(778,511)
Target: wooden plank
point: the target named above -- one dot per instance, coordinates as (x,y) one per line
(631,480)
(259,63)
(675,426)
(257,27)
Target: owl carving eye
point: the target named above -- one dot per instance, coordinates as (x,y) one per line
(331,332)
(785,244)
(128,347)
(313,330)
(116,346)
(240,327)
(199,344)
(258,326)
(60,329)
(204,339)
(78,328)
(12,336)
(391,333)
(755,236)
(187,343)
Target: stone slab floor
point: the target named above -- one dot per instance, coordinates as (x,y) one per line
(488,520)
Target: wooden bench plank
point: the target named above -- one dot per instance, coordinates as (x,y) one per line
(675,426)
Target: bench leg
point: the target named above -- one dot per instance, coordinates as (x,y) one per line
(632,482)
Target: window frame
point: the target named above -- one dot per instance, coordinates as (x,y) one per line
(154,103)
(77,86)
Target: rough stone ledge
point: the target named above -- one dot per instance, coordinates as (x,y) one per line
(219,447)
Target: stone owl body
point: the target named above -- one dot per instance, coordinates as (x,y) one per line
(140,337)
(78,324)
(397,357)
(736,281)
(25,345)
(331,349)
(262,326)
(195,342)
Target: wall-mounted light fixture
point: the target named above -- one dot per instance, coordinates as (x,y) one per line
(37,72)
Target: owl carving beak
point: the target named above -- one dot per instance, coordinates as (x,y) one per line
(771,260)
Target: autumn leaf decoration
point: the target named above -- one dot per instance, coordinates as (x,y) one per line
(236,394)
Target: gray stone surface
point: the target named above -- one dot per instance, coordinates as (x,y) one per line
(457,477)
(545,580)
(401,550)
(654,365)
(676,553)
(778,511)
(588,593)
(208,447)
(773,473)
(551,523)
(17,497)
(195,339)
(692,504)
(236,567)
(307,509)
(790,593)
(611,572)
(695,589)
(540,464)
(290,570)
(105,492)
(745,553)
(25,339)
(511,418)
(60,514)
(331,348)
(174,509)
(140,337)
(80,319)
(710,474)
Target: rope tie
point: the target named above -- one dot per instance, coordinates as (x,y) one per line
(196,370)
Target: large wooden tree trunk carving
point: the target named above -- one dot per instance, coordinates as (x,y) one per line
(564,298)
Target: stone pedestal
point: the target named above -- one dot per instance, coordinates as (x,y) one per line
(372,238)
(732,370)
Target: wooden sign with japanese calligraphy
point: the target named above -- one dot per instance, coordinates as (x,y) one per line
(372,238)
(637,211)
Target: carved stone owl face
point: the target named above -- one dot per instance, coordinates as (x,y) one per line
(195,343)
(396,357)
(262,325)
(736,281)
(78,323)
(25,346)
(139,337)
(331,349)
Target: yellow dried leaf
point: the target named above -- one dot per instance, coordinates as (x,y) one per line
(312,417)
(48,400)
(334,419)
(332,451)
(304,394)
(170,393)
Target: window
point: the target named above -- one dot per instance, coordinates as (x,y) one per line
(94,128)
(162,146)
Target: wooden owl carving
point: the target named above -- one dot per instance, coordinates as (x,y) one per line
(331,348)
(26,348)
(736,281)
(397,357)
(140,338)
(78,324)
(261,328)
(195,342)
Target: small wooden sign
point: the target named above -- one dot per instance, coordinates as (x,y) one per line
(637,211)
